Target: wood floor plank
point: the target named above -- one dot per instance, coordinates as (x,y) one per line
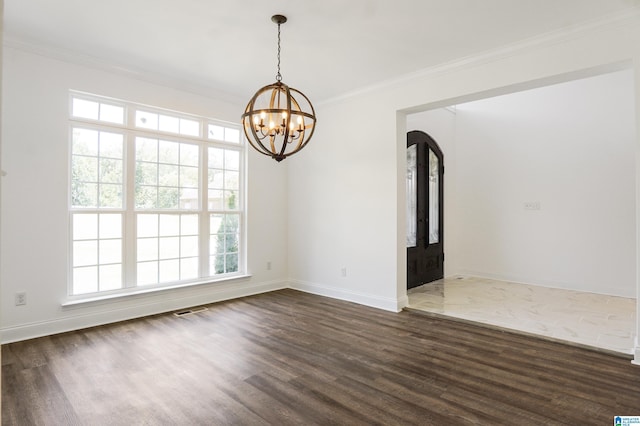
(292,358)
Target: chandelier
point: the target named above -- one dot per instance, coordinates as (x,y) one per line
(279,120)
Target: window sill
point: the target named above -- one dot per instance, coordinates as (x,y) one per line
(146,291)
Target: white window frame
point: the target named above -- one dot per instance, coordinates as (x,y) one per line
(130,212)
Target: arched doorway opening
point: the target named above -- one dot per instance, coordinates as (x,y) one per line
(425,203)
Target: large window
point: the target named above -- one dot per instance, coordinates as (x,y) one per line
(156,197)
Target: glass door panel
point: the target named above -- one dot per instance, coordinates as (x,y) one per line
(434,197)
(412,195)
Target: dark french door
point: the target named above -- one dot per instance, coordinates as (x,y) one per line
(425,190)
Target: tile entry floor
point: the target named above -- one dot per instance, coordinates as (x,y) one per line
(585,319)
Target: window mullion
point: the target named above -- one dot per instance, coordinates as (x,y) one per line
(129,211)
(204,211)
(242,252)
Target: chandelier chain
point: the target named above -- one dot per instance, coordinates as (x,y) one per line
(278,75)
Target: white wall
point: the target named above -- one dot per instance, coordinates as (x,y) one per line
(346,189)
(569,147)
(34,229)
(336,217)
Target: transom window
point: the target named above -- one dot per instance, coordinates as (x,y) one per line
(156,197)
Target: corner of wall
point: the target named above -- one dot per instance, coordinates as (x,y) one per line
(636,358)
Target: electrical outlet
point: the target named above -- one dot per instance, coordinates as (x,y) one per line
(343,272)
(21,298)
(268,265)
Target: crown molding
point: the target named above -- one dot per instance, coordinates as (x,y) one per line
(492,55)
(153,77)
(488,56)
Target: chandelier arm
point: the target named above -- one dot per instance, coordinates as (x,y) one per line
(263,135)
(247,123)
(260,148)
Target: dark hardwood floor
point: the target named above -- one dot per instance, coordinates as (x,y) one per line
(293,358)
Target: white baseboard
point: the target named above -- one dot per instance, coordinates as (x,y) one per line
(76,317)
(79,318)
(387,304)
(611,291)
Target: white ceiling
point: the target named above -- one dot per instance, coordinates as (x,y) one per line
(329,47)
